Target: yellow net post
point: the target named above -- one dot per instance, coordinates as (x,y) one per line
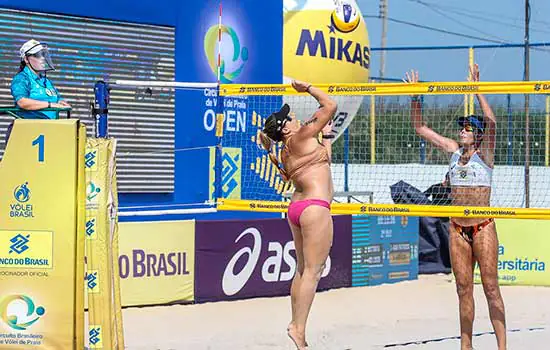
(471,104)
(547,130)
(372,129)
(466,109)
(81,236)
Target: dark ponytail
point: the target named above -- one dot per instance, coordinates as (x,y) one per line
(22,65)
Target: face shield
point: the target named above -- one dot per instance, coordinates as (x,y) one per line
(39,58)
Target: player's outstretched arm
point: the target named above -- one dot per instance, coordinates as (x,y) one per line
(443,143)
(488,145)
(322,116)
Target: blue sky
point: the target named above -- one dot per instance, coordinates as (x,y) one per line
(499,20)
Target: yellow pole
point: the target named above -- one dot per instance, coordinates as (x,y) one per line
(466,109)
(466,99)
(372,130)
(547,151)
(472,62)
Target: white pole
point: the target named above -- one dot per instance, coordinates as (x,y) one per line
(168,84)
(167,212)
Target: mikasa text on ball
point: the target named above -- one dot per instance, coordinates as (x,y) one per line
(319,52)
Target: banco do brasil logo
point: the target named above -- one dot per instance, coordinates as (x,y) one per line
(19,244)
(90,159)
(229,69)
(22,194)
(95,337)
(19,312)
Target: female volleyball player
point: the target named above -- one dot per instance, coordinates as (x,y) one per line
(471,239)
(305,162)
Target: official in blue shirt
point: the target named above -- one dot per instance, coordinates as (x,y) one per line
(31,89)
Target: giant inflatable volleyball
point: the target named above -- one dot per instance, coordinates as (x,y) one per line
(325,41)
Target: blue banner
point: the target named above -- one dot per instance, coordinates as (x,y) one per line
(251,52)
(384,249)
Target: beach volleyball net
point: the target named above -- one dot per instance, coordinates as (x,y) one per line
(379,164)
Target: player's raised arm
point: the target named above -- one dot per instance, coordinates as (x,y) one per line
(488,143)
(327,109)
(443,143)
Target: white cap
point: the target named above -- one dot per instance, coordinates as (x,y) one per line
(30,47)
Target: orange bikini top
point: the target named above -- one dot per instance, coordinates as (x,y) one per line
(294,165)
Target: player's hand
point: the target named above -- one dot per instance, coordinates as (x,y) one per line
(411,78)
(474,73)
(300,86)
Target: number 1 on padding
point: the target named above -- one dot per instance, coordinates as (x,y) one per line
(40,142)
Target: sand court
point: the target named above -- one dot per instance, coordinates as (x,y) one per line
(420,314)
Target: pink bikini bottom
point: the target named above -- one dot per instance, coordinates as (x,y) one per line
(295,209)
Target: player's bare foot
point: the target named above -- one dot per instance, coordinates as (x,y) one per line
(299,338)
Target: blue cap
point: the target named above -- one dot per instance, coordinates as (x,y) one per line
(473,120)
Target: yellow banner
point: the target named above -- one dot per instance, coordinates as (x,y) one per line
(395,209)
(523,252)
(434,88)
(104,309)
(156,269)
(157,261)
(40,271)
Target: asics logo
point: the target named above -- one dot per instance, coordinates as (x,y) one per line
(232,283)
(278,264)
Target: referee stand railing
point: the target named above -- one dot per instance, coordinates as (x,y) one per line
(16,112)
